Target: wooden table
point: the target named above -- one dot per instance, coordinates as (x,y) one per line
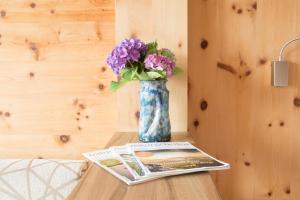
(98,184)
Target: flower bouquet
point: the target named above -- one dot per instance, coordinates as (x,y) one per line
(131,60)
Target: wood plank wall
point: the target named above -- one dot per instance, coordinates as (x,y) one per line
(54,97)
(234,113)
(166,22)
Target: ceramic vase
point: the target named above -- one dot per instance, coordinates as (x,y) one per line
(154,122)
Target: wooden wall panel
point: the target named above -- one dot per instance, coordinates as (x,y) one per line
(234,112)
(54,96)
(166,22)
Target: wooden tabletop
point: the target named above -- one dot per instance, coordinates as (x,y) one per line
(98,184)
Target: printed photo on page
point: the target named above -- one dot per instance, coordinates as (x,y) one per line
(129,160)
(112,163)
(174,157)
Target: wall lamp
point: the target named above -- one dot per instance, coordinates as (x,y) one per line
(280,68)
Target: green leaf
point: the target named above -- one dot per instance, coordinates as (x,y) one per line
(154,75)
(129,73)
(144,76)
(126,73)
(177,70)
(152,47)
(114,86)
(134,73)
(167,53)
(162,73)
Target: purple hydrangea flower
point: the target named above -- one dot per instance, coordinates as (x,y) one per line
(161,63)
(127,50)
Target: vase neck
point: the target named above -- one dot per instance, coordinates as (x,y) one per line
(161,84)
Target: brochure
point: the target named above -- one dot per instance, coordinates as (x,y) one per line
(139,162)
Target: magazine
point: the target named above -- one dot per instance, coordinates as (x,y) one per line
(139,162)
(174,157)
(112,163)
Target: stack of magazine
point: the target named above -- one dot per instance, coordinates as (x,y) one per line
(139,162)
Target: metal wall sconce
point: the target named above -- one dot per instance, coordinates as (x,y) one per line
(280,68)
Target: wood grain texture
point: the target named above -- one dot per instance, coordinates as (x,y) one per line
(54,96)
(98,184)
(247,123)
(166,22)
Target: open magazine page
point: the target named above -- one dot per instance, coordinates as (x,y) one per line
(129,160)
(174,158)
(111,163)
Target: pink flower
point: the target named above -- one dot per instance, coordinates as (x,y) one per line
(160,63)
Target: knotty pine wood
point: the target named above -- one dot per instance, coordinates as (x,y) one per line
(234,113)
(54,96)
(98,184)
(166,22)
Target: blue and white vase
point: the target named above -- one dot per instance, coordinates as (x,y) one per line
(154,124)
